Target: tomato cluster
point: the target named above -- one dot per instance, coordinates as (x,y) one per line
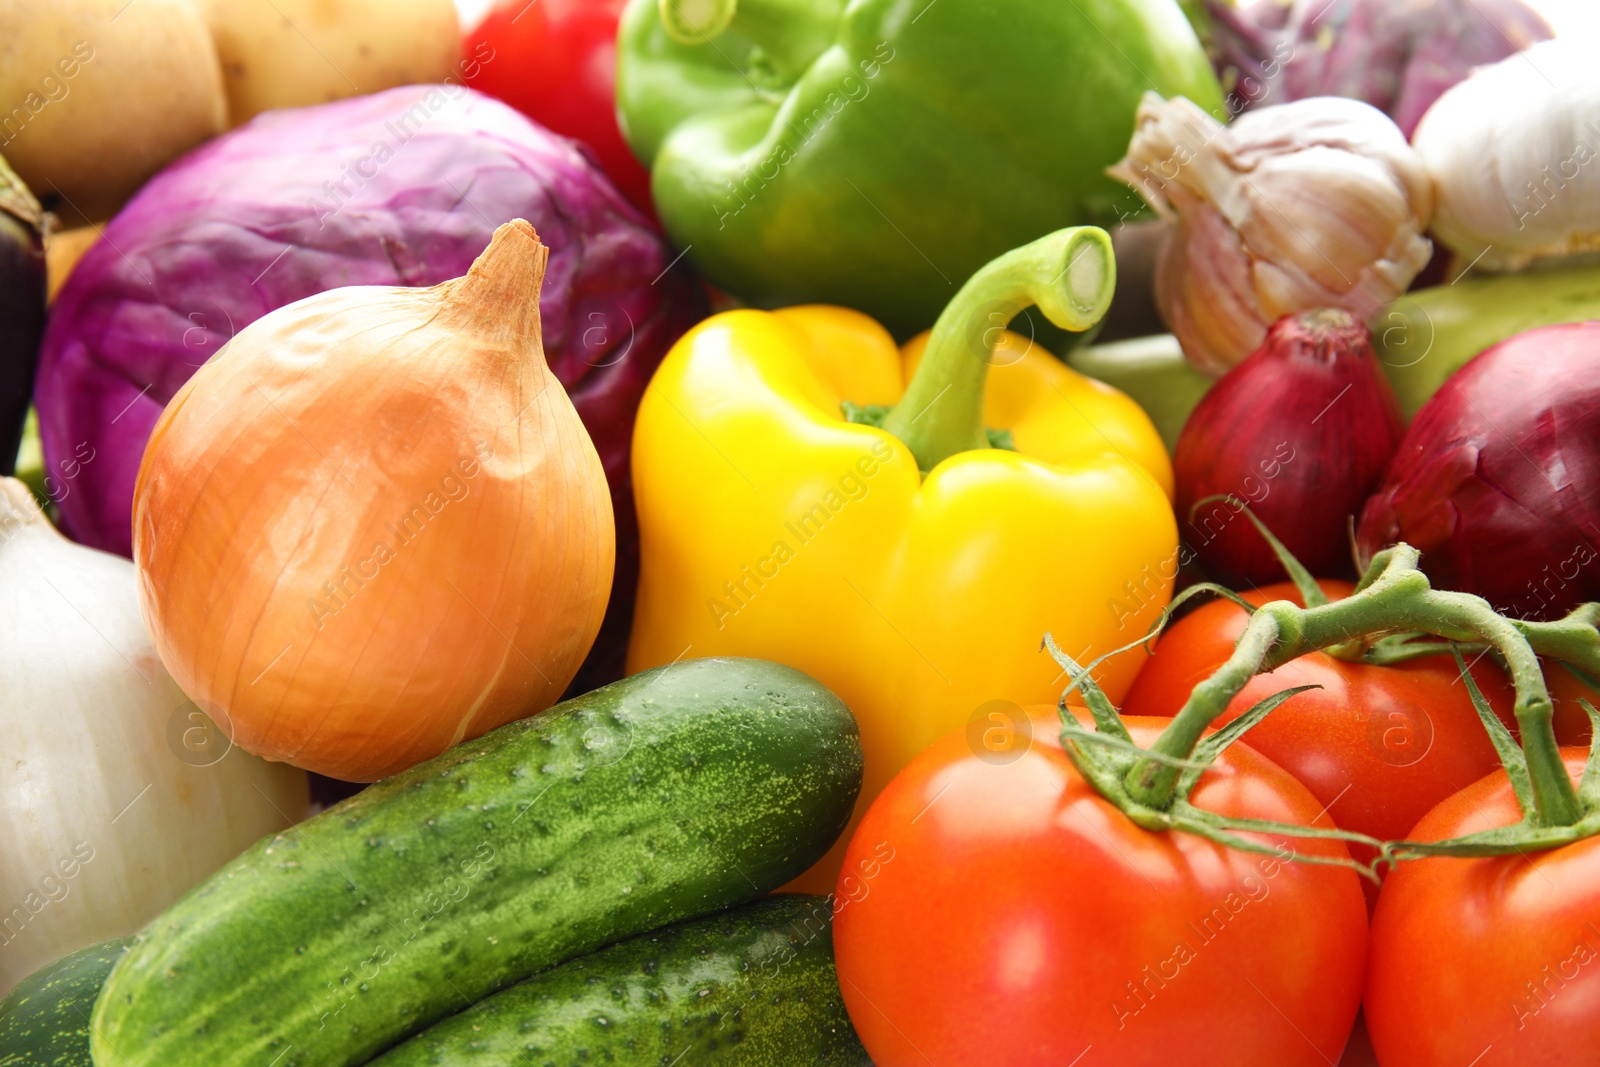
(1027,920)
(1377,746)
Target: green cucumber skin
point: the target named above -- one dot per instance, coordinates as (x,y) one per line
(674,793)
(44,1020)
(754,986)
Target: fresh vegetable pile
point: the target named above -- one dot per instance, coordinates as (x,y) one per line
(782,533)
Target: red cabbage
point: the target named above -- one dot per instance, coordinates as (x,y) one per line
(403,187)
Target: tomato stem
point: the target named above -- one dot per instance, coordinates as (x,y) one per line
(1154,781)
(1574,639)
(1393,595)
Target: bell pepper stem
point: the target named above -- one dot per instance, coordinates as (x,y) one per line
(696,21)
(1068,275)
(1393,595)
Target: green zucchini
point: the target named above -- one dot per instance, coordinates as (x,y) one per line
(754,986)
(1429,334)
(1154,373)
(674,793)
(44,1020)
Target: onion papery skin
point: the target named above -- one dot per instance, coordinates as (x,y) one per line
(1301,432)
(1497,481)
(118,797)
(374,526)
(403,187)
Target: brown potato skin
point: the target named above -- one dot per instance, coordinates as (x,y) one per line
(293,53)
(98,95)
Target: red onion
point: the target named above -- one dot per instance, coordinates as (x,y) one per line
(1301,431)
(1497,481)
(1398,57)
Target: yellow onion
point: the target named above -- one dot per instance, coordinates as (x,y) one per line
(373,526)
(1319,203)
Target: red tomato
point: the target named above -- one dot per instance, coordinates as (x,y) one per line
(995,909)
(1492,962)
(1571,721)
(1380,746)
(556,62)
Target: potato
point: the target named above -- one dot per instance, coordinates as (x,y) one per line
(98,95)
(291,53)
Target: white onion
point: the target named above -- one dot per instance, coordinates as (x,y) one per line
(116,795)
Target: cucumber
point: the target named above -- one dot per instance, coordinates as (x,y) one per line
(674,793)
(754,986)
(44,1020)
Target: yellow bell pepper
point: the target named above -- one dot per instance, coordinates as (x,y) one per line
(772,526)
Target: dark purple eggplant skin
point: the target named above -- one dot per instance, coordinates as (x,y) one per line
(22,307)
(1497,480)
(403,187)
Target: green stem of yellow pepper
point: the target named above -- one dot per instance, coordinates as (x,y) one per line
(1068,275)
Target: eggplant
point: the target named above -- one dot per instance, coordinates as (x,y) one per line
(22,303)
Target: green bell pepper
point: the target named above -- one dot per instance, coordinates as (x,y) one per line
(876,153)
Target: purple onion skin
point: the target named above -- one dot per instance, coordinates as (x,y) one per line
(1397,56)
(1301,431)
(297,202)
(1497,481)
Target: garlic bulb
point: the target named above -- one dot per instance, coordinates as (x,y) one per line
(119,795)
(1512,152)
(373,525)
(1318,203)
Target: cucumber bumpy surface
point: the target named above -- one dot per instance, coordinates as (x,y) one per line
(44,1020)
(674,793)
(753,987)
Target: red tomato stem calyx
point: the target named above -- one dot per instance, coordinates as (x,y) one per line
(1392,606)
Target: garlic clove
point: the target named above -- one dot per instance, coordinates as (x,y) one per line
(1219,305)
(1320,203)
